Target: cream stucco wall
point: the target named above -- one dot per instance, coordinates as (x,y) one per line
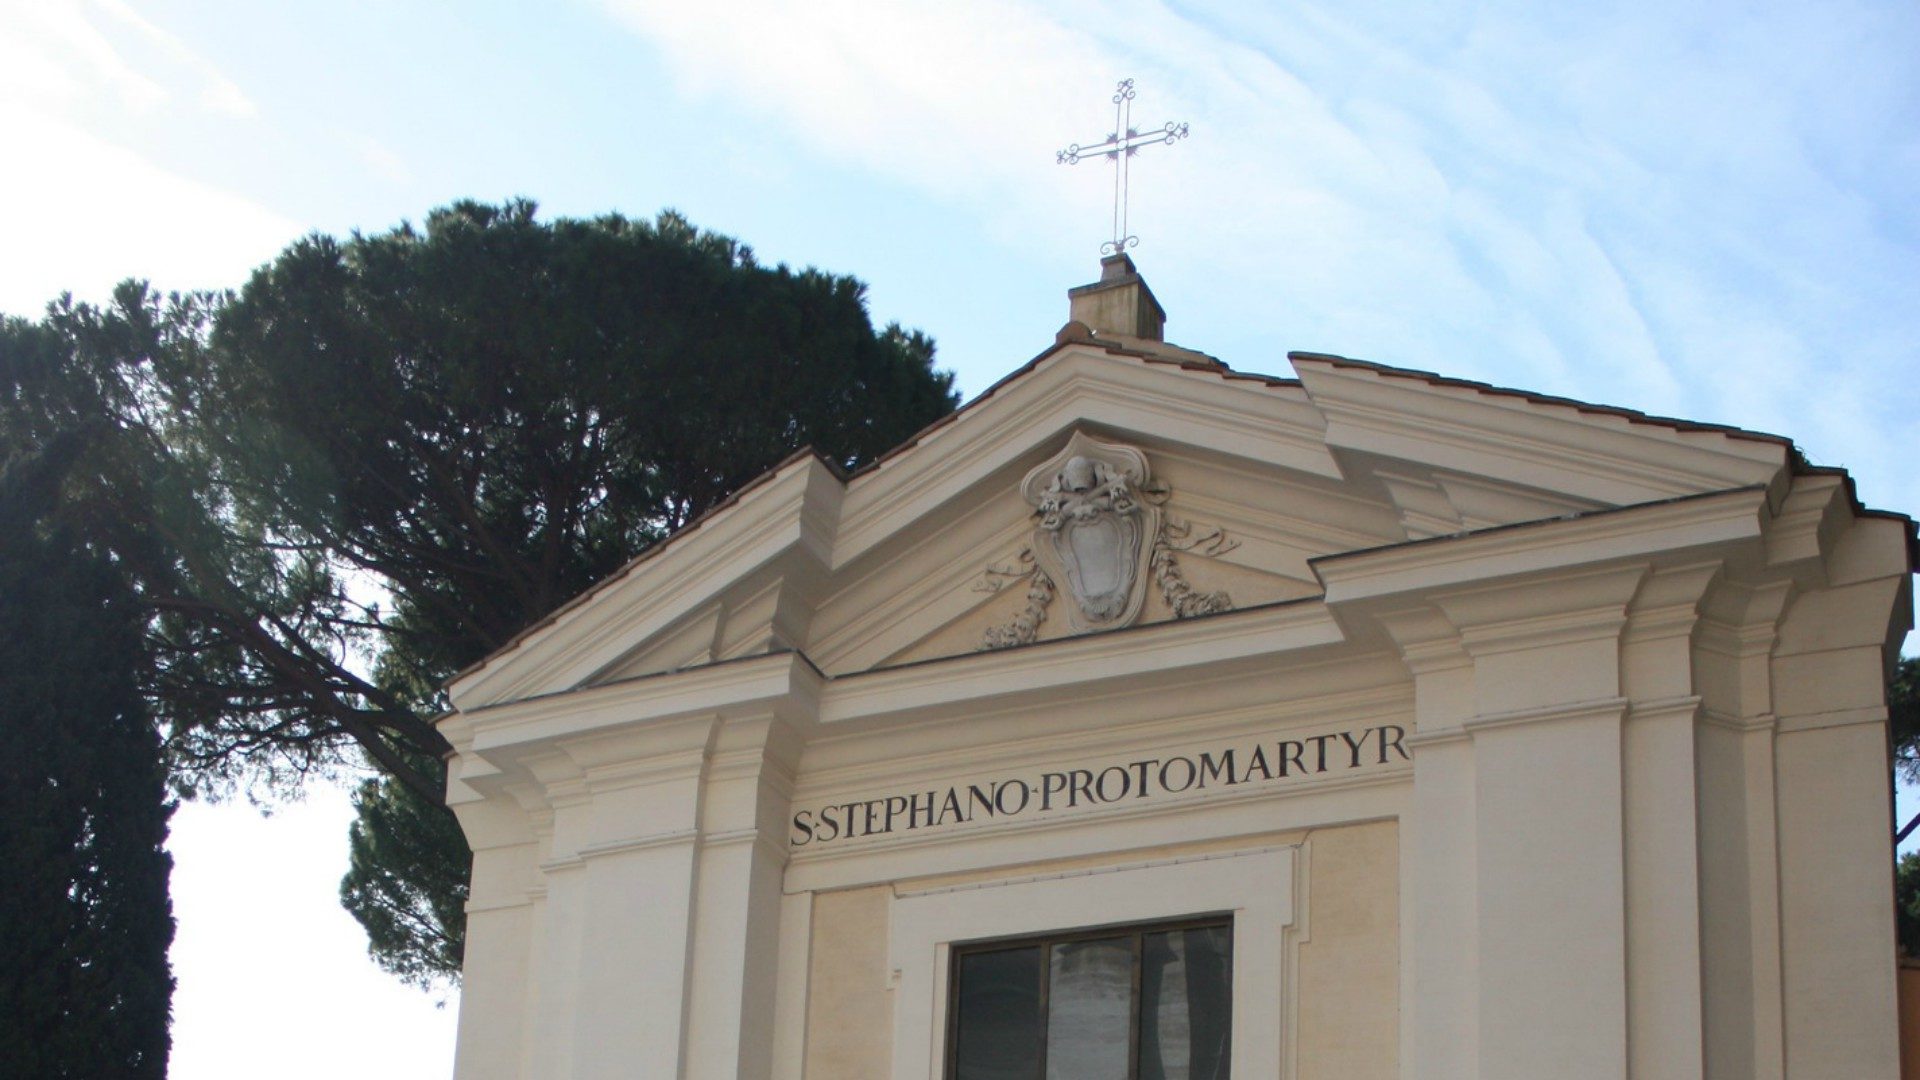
(1635,822)
(1348,996)
(1344,945)
(849,987)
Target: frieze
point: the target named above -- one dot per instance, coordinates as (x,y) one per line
(1030,796)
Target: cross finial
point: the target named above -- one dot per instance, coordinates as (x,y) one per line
(1121,144)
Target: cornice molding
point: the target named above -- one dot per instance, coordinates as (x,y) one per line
(1095,871)
(1596,709)
(648,596)
(1508,551)
(1811,516)
(1079,385)
(1687,705)
(730,687)
(1420,740)
(1868,714)
(1064,663)
(1741,724)
(587,852)
(1581,451)
(1536,631)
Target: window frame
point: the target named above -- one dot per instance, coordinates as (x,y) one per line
(1256,883)
(1136,931)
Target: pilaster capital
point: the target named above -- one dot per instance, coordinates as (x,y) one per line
(1427,641)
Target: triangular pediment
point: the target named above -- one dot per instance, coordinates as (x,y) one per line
(1240,482)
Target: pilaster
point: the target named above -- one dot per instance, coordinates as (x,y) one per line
(501,916)
(1520,951)
(735,954)
(632,848)
(1661,798)
(633,895)
(1834,807)
(1739,847)
(1439,851)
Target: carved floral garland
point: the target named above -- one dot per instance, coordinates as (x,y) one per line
(1184,599)
(1026,625)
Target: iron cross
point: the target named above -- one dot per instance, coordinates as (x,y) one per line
(1121,144)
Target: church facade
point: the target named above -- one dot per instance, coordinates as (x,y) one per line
(1146,719)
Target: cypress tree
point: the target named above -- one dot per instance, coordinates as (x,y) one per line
(84,918)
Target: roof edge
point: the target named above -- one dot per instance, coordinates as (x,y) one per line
(1073,334)
(627,568)
(1535,398)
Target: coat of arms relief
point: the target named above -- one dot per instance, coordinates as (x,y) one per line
(1101,535)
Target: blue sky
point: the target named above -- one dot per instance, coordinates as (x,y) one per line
(1704,210)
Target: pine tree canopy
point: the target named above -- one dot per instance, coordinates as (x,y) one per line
(386,455)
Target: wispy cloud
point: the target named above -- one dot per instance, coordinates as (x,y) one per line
(64,64)
(90,196)
(53,54)
(377,156)
(62,50)
(1695,209)
(935,95)
(215,92)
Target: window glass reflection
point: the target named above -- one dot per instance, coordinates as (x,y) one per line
(1142,1003)
(1090,1009)
(1000,1018)
(1185,1004)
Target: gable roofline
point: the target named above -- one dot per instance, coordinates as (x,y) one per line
(1801,467)
(1078,334)
(1588,408)
(1797,462)
(1073,333)
(626,570)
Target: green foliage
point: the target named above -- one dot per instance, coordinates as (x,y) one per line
(385,456)
(408,882)
(1906,892)
(1903,719)
(84,917)
(1903,722)
(492,414)
(488,416)
(251,672)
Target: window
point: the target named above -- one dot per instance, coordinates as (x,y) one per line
(932,928)
(1142,1003)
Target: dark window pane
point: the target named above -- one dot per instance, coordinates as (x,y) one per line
(1186,979)
(1090,1010)
(999,1021)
